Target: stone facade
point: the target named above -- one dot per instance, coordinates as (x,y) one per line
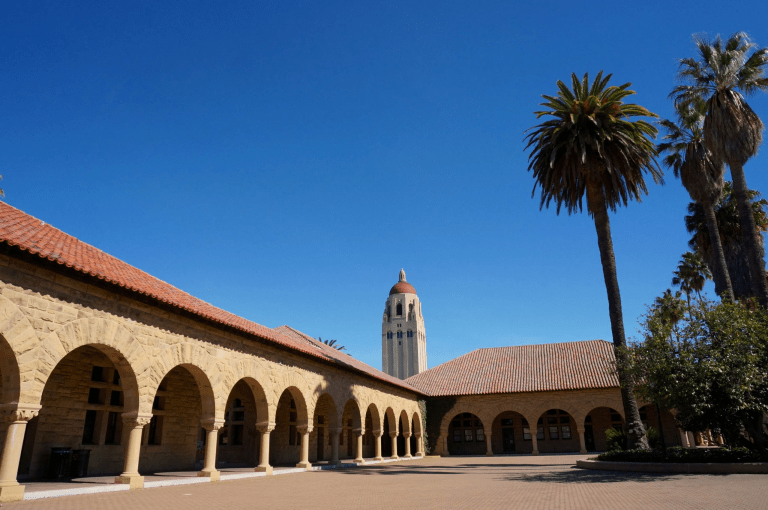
(148,389)
(403,337)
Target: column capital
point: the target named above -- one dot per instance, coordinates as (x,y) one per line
(393,434)
(16,413)
(406,435)
(212,424)
(359,432)
(136,420)
(417,435)
(378,433)
(304,429)
(265,427)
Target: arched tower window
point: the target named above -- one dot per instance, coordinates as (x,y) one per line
(399,309)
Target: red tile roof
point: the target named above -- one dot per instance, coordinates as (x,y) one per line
(546,367)
(37,237)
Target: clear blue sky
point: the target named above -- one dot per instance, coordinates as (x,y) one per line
(283,160)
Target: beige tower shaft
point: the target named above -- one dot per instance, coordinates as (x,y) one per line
(403,337)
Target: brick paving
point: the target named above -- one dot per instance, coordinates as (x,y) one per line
(525,482)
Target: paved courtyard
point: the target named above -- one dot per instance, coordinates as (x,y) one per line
(525,482)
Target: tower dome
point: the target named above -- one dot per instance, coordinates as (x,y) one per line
(403,339)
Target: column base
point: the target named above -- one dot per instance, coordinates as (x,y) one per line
(420,454)
(378,458)
(394,457)
(489,454)
(445,454)
(408,456)
(304,465)
(583,452)
(359,461)
(133,481)
(10,493)
(264,469)
(534,453)
(215,476)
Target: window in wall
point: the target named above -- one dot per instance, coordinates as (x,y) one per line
(399,334)
(553,433)
(96,396)
(97,374)
(468,435)
(410,334)
(89,428)
(399,309)
(116,378)
(566,430)
(457,435)
(507,422)
(114,429)
(540,433)
(480,435)
(527,433)
(116,399)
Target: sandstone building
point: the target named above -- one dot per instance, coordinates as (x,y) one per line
(98,355)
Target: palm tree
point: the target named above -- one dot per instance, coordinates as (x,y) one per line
(691,275)
(332,343)
(732,131)
(730,235)
(591,147)
(669,307)
(701,175)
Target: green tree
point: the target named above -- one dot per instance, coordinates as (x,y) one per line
(332,343)
(691,274)
(710,368)
(729,228)
(732,130)
(591,147)
(701,175)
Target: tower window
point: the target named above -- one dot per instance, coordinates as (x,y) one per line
(389,336)
(399,334)
(410,334)
(399,309)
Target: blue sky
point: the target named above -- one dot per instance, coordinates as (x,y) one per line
(283,160)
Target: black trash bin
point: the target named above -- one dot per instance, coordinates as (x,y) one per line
(58,466)
(79,467)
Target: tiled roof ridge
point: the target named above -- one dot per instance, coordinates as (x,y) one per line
(39,238)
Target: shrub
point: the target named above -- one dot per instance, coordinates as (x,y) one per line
(615,440)
(678,454)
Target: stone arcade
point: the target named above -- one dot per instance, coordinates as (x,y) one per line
(96,354)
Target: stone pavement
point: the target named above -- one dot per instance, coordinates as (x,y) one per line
(525,482)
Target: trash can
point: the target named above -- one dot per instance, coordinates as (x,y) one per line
(58,466)
(79,468)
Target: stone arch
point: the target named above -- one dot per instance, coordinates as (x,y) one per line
(17,355)
(417,427)
(208,375)
(406,421)
(302,411)
(264,411)
(375,417)
(109,337)
(389,416)
(257,376)
(460,408)
(326,400)
(355,412)
(299,388)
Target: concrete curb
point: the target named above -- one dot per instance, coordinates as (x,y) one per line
(658,467)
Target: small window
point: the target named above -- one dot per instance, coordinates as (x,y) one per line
(237,435)
(566,429)
(116,378)
(553,433)
(507,422)
(97,374)
(589,419)
(116,399)
(113,429)
(292,416)
(94,396)
(540,434)
(468,435)
(89,428)
(321,420)
(457,435)
(292,435)
(565,419)
(526,433)
(399,334)
(399,309)
(480,434)
(238,416)
(551,420)
(237,403)
(467,423)
(293,404)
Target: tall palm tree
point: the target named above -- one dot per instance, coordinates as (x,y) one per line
(691,275)
(592,148)
(732,130)
(701,175)
(670,307)
(730,235)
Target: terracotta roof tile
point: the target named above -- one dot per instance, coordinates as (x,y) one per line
(37,237)
(526,368)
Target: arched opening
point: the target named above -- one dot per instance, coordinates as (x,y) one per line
(350,420)
(466,435)
(386,438)
(597,422)
(404,426)
(415,431)
(399,309)
(556,432)
(290,417)
(325,419)
(175,440)
(372,425)
(82,403)
(239,439)
(10,381)
(511,433)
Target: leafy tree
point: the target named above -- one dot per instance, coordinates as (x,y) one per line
(332,343)
(729,228)
(711,367)
(669,307)
(591,147)
(732,130)
(700,173)
(691,274)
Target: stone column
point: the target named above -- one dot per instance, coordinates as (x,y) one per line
(488,445)
(304,431)
(445,452)
(419,445)
(582,442)
(683,438)
(534,444)
(264,430)
(211,441)
(335,445)
(17,416)
(407,436)
(377,439)
(359,449)
(135,424)
(393,435)
(691,440)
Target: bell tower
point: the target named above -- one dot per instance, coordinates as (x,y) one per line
(403,338)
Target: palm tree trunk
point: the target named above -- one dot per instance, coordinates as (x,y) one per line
(749,235)
(721,275)
(636,437)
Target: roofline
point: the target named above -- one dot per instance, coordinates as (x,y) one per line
(37,259)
